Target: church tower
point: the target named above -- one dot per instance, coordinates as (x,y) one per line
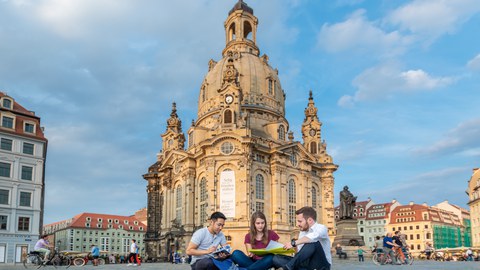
(241,156)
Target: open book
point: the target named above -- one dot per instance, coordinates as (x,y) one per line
(225,249)
(273,247)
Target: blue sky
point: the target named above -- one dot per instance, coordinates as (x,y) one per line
(397,85)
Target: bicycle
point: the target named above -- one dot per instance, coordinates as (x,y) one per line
(61,259)
(81,261)
(377,258)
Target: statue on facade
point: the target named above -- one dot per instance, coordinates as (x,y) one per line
(347,203)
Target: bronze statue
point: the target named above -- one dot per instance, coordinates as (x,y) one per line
(347,203)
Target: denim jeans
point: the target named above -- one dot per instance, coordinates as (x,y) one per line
(311,256)
(203,264)
(243,260)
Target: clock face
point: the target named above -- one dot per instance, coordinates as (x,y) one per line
(312,132)
(228,99)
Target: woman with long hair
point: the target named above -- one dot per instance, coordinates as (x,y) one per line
(258,237)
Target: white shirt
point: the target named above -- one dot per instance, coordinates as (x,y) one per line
(318,232)
(133,248)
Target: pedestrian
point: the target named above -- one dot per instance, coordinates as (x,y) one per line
(132,257)
(360,252)
(313,244)
(258,238)
(205,241)
(95,252)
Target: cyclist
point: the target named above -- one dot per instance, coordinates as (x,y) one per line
(388,244)
(399,246)
(378,245)
(95,252)
(43,246)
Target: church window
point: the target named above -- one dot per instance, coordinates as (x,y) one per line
(313,147)
(271,86)
(190,139)
(226,148)
(227,117)
(291,202)
(260,193)
(247,30)
(203,200)
(179,204)
(281,133)
(293,159)
(204,94)
(314,197)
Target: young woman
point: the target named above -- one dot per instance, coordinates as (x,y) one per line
(258,238)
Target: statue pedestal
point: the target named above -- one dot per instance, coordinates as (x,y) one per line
(347,234)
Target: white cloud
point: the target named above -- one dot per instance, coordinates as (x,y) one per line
(346,101)
(359,33)
(386,80)
(474,64)
(462,139)
(430,19)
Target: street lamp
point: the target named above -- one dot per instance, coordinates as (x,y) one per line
(58,244)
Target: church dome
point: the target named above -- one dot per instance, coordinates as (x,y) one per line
(243,68)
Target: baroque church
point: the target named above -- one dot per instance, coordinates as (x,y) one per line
(240,155)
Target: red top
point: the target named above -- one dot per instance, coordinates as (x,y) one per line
(259,244)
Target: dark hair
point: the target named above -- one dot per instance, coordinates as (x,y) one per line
(217,215)
(397,232)
(308,212)
(43,236)
(253,230)
(134,240)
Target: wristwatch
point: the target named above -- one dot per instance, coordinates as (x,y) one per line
(293,243)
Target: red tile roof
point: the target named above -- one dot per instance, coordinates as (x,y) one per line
(80,221)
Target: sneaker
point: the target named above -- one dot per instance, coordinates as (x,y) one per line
(129,264)
(134,264)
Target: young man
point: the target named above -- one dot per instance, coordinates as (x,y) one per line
(43,246)
(313,245)
(205,241)
(132,257)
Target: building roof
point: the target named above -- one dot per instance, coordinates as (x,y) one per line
(421,213)
(240,5)
(22,115)
(98,222)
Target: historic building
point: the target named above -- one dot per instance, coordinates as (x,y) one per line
(23,150)
(111,233)
(240,155)
(422,223)
(378,217)
(464,215)
(473,192)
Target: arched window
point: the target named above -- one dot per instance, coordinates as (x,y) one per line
(203,200)
(281,133)
(271,86)
(247,30)
(227,117)
(292,197)
(179,204)
(231,32)
(204,94)
(313,147)
(259,193)
(314,197)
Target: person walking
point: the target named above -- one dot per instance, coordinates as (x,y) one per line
(205,241)
(132,257)
(258,238)
(313,244)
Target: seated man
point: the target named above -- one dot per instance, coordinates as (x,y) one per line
(205,241)
(43,246)
(340,252)
(313,245)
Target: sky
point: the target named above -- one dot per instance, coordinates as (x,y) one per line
(396,84)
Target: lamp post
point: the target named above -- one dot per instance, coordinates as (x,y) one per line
(59,242)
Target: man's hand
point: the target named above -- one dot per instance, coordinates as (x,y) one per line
(287,245)
(222,255)
(211,249)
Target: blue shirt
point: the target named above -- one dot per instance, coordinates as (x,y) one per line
(387,239)
(95,251)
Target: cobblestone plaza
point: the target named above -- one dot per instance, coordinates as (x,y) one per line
(337,265)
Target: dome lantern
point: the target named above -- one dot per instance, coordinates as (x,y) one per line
(241,29)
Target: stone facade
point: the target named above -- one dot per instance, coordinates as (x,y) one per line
(240,155)
(473,192)
(23,152)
